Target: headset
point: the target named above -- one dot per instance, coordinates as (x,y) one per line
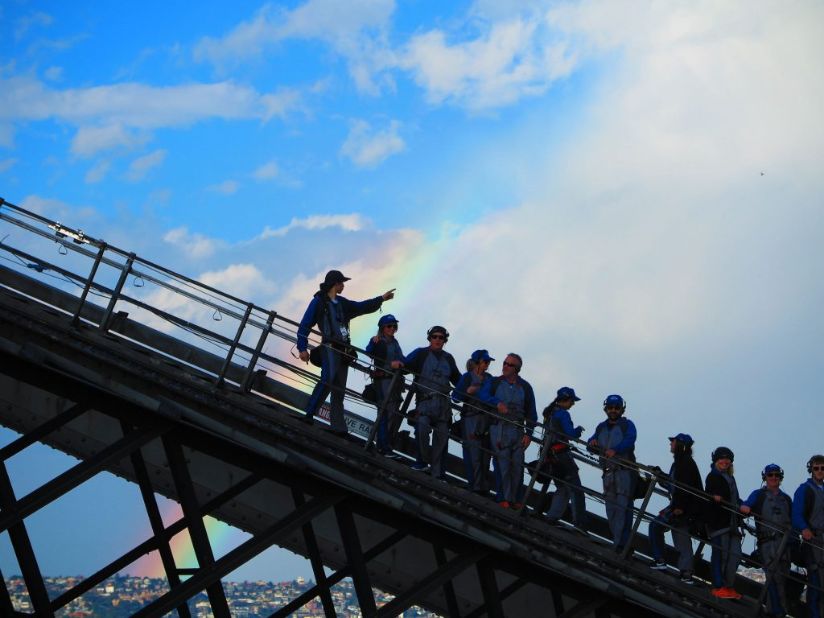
(813,460)
(438,329)
(772,468)
(615,400)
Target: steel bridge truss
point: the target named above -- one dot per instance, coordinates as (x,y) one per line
(497,576)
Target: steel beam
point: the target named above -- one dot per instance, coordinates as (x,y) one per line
(448,588)
(338,575)
(354,555)
(238,556)
(315,558)
(434,580)
(156,521)
(152,544)
(42,431)
(80,473)
(21,543)
(489,589)
(586,607)
(197,529)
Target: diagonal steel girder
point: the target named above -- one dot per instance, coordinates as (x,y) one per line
(77,475)
(240,555)
(434,580)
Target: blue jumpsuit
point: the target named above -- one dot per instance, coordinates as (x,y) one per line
(808,513)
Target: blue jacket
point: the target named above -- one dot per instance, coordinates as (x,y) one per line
(414,362)
(627,445)
(803,502)
(314,315)
(487,395)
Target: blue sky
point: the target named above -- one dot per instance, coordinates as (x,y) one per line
(580,182)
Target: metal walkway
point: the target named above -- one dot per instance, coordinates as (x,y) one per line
(221,437)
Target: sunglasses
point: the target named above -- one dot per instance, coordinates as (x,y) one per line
(619,408)
(437,337)
(818,468)
(506,364)
(393,326)
(773,475)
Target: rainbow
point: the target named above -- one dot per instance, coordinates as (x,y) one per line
(222,538)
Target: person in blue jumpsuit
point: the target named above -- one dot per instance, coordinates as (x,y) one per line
(563,467)
(684,486)
(772,509)
(434,370)
(388,357)
(723,521)
(510,434)
(614,441)
(331,313)
(475,420)
(808,519)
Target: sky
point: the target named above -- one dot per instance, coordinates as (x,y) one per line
(628,194)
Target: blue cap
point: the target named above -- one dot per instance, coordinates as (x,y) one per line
(481,355)
(567,392)
(772,468)
(614,400)
(683,437)
(387,319)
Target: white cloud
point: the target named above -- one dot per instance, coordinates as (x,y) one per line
(355,29)
(227,187)
(109,116)
(98,171)
(195,246)
(7,164)
(509,60)
(369,148)
(143,165)
(267,171)
(347,223)
(91,140)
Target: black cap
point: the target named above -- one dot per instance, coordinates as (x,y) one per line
(334,276)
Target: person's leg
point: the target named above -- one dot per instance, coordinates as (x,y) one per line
(440,442)
(501,462)
(715,561)
(471,452)
(733,559)
(657,527)
(338,391)
(683,544)
(517,470)
(328,368)
(422,431)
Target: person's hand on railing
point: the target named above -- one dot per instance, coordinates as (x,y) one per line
(304,356)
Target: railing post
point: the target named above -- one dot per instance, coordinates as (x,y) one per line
(233,347)
(124,273)
(247,379)
(97,259)
(381,411)
(628,547)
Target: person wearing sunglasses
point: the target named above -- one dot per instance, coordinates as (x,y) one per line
(474,420)
(331,313)
(434,369)
(614,440)
(511,429)
(723,524)
(808,518)
(772,509)
(388,357)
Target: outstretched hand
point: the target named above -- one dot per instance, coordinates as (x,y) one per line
(389,294)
